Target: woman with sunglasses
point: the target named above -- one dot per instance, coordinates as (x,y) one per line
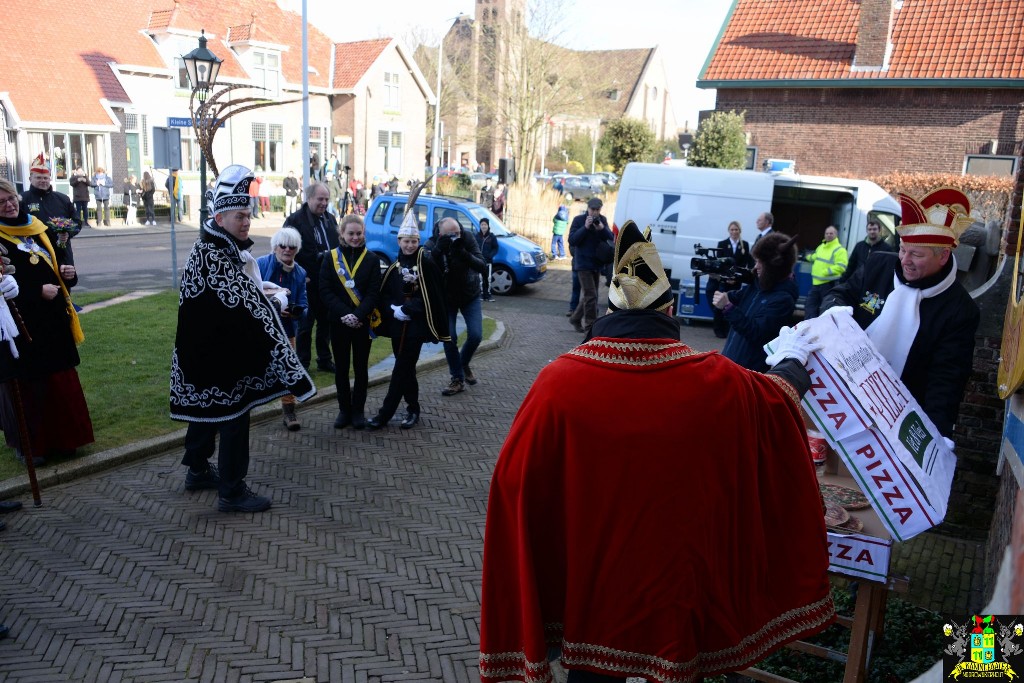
(280,271)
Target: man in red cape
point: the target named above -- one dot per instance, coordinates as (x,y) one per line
(654,511)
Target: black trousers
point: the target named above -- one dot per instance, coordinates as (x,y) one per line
(403,378)
(812,306)
(316,313)
(351,345)
(233,457)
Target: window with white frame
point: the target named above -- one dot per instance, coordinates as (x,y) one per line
(392,101)
(266,71)
(190,153)
(266,143)
(182,46)
(390,144)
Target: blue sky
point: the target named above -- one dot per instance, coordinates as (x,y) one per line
(683,29)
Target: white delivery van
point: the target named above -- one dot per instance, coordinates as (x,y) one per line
(685,206)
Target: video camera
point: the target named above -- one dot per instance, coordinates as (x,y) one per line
(710,262)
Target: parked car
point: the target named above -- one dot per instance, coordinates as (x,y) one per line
(581,189)
(518,262)
(608,177)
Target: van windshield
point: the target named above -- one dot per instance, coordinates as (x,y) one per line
(497,228)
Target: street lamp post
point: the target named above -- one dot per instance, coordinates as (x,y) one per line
(202,67)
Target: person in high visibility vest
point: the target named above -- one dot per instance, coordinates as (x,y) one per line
(828,263)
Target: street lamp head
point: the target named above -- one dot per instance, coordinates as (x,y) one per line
(202,66)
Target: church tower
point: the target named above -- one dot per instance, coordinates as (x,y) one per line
(498,23)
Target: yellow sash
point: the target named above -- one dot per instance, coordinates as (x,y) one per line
(346,273)
(13,234)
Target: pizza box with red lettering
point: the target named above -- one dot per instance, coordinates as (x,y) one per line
(893,452)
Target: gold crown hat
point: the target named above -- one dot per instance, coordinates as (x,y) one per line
(937,220)
(638,279)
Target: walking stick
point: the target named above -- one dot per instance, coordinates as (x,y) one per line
(19,406)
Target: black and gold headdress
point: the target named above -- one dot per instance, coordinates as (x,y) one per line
(638,278)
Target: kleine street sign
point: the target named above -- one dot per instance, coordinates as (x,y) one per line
(185,122)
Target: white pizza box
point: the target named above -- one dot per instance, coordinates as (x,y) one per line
(892,451)
(865,553)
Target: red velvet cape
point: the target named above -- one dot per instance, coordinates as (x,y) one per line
(654,512)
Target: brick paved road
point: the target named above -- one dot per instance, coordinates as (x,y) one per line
(367,568)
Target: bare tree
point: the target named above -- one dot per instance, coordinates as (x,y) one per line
(537,79)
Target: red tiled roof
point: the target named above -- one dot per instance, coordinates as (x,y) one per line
(60,75)
(817,39)
(351,60)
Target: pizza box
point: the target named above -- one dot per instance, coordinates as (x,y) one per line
(864,553)
(888,447)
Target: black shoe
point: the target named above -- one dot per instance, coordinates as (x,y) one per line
(412,418)
(246,501)
(343,420)
(10,505)
(579,328)
(376,422)
(4,631)
(569,313)
(37,460)
(470,377)
(325,365)
(358,421)
(3,525)
(199,481)
(720,334)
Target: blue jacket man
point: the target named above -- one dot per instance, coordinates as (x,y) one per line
(588,236)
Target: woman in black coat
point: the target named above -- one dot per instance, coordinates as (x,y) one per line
(43,373)
(349,288)
(489,249)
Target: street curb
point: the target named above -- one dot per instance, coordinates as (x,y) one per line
(52,475)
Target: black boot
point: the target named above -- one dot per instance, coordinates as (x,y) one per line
(412,418)
(343,420)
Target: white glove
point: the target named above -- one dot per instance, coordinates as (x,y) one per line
(9,287)
(797,344)
(949,443)
(837,311)
(281,297)
(399,313)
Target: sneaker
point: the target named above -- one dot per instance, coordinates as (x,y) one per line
(291,420)
(246,501)
(470,377)
(199,481)
(453,388)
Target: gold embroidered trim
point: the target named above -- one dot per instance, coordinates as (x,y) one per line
(632,353)
(749,650)
(786,387)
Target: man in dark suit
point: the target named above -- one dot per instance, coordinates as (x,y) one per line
(319,231)
(738,250)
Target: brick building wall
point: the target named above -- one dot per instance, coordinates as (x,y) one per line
(868,131)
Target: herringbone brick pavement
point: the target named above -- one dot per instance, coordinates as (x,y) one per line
(367,568)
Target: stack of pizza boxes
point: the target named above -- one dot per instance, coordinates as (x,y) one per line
(889,472)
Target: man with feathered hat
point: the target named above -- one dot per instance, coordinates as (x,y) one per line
(231,352)
(919,317)
(633,553)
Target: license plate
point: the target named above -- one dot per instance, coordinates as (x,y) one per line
(542,267)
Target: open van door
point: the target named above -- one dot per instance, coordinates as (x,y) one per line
(684,206)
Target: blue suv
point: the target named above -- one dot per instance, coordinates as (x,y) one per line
(518,261)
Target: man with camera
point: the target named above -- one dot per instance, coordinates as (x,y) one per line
(319,231)
(739,251)
(589,237)
(458,257)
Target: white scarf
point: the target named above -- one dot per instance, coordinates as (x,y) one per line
(894,330)
(250,267)
(8,330)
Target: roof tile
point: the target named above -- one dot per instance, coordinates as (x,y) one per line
(351,60)
(817,39)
